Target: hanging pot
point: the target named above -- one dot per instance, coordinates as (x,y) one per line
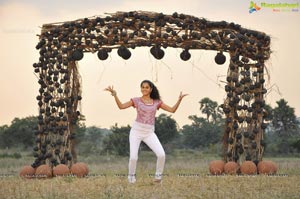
(185,55)
(236,99)
(226,110)
(247,97)
(239,107)
(264,125)
(157,52)
(246,134)
(245,107)
(124,52)
(229,78)
(245,59)
(227,87)
(53,110)
(235,125)
(240,119)
(228,120)
(248,120)
(231,103)
(229,94)
(102,54)
(235,79)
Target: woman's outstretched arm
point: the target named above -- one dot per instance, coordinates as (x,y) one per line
(119,103)
(173,108)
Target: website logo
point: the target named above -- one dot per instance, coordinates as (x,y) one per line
(275,7)
(281,7)
(253,7)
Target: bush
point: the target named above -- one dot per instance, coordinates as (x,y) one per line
(14,155)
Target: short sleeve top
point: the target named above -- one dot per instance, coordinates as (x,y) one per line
(146,112)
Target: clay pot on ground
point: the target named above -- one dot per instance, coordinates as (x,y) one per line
(231,168)
(43,171)
(216,167)
(248,168)
(266,167)
(79,169)
(61,170)
(27,172)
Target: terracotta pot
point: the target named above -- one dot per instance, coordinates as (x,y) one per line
(61,170)
(27,172)
(231,168)
(43,171)
(79,169)
(249,168)
(216,167)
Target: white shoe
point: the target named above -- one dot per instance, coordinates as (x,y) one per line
(158,178)
(131,179)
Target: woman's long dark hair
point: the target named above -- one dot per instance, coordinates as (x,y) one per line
(154,93)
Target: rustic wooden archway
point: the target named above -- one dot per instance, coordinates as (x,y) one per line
(62,44)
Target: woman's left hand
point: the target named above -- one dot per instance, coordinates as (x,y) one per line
(173,108)
(182,95)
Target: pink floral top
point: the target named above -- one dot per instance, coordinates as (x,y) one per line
(145,112)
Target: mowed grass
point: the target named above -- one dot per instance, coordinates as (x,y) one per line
(186,176)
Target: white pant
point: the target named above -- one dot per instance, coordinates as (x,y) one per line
(143,132)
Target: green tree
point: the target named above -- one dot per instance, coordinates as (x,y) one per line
(165,128)
(283,129)
(2,140)
(91,140)
(200,133)
(204,131)
(20,133)
(268,113)
(118,141)
(211,109)
(296,145)
(284,119)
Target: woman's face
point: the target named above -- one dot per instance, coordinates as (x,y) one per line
(146,89)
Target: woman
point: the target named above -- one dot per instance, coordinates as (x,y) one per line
(143,127)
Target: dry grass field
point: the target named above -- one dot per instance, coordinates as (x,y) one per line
(186,176)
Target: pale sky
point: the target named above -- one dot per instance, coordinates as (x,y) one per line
(20,21)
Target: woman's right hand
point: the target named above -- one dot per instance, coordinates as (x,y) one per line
(111,90)
(119,103)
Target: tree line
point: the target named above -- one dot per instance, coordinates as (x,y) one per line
(205,132)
